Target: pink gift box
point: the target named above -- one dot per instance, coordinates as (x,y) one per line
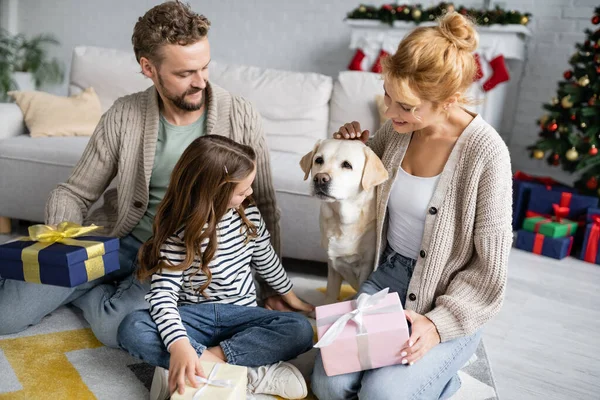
(384,333)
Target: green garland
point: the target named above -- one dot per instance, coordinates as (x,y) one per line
(388,13)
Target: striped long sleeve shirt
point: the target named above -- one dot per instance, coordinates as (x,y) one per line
(231,268)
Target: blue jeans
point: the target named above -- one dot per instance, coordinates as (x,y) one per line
(432,377)
(249,336)
(104,301)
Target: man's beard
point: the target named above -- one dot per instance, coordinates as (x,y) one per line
(179,100)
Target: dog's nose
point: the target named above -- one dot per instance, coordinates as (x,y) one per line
(322,178)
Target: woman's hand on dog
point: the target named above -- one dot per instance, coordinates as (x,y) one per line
(424,336)
(352,131)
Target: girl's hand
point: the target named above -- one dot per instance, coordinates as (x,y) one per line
(423,338)
(352,131)
(184,364)
(293,301)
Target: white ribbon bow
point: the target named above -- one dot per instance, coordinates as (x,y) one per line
(363,305)
(223,383)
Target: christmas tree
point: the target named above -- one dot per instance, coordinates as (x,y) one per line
(570,128)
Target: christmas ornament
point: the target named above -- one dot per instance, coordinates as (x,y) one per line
(593,150)
(554,101)
(538,154)
(555,159)
(362,9)
(568,75)
(406,10)
(566,101)
(592,100)
(584,81)
(563,129)
(416,13)
(544,119)
(553,127)
(595,20)
(592,183)
(387,7)
(524,20)
(598,70)
(572,154)
(400,9)
(583,125)
(573,117)
(486,19)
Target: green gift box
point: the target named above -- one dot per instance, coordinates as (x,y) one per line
(550,227)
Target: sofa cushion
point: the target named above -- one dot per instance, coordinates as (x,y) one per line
(48,115)
(294,105)
(112,73)
(353,99)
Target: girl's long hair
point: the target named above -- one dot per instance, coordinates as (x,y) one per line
(201,186)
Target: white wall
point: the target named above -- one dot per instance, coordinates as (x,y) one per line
(310,35)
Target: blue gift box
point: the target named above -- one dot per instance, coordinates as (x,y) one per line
(521,195)
(60,264)
(537,243)
(590,213)
(541,201)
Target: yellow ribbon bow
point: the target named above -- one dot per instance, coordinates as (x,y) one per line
(65,233)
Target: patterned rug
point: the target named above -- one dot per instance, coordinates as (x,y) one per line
(61,359)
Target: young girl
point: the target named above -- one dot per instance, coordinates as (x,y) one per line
(207,239)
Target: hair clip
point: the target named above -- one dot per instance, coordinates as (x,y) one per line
(226,171)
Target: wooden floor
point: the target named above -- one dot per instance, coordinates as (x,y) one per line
(545,343)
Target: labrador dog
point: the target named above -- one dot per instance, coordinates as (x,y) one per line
(344,176)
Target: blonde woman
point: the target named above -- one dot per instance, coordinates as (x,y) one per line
(443,217)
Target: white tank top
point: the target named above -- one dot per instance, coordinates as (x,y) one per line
(407,208)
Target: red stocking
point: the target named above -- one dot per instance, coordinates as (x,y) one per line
(479,73)
(499,73)
(356,63)
(377,66)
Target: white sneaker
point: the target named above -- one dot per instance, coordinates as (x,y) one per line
(281,379)
(160,384)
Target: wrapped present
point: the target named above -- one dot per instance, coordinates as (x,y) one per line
(591,212)
(537,243)
(544,203)
(61,256)
(552,227)
(522,186)
(589,252)
(223,381)
(361,334)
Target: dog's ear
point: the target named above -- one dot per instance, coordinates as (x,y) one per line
(374,172)
(306,161)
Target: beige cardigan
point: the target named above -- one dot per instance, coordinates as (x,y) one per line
(460,276)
